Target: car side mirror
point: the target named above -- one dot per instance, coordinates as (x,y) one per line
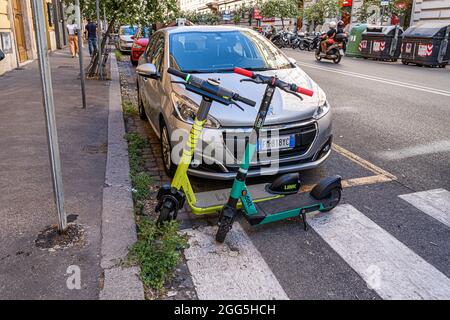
(292,60)
(133,37)
(148,70)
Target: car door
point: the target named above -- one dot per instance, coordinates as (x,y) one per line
(153,87)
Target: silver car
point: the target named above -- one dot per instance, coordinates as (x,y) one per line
(125,41)
(212,52)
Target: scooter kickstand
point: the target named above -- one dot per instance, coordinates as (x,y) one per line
(305,224)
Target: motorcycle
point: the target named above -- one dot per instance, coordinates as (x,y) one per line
(334,52)
(312,42)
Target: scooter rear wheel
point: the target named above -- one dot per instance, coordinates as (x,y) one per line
(165,215)
(334,198)
(224,228)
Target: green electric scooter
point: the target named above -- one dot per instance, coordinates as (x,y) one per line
(284,191)
(325,196)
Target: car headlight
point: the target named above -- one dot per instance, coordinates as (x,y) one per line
(323,108)
(137,46)
(186,110)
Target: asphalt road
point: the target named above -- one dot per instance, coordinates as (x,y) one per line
(395,117)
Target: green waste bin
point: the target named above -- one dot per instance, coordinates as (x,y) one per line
(354,40)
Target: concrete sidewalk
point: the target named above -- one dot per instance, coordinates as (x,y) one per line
(26,198)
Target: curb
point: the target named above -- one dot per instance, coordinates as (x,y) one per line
(118,225)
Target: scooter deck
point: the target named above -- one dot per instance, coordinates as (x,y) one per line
(220,197)
(283,208)
(287,203)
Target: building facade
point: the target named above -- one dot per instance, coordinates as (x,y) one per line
(17,36)
(431,11)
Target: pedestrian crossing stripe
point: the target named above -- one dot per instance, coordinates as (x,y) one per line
(388,266)
(236,269)
(435,203)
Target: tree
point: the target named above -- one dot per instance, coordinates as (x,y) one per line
(136,12)
(398,7)
(316,13)
(282,9)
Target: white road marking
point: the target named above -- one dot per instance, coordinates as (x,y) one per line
(387,265)
(379,79)
(434,147)
(234,270)
(435,203)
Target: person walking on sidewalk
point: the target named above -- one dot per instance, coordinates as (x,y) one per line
(73,39)
(91,30)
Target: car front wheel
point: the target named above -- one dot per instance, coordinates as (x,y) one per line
(166,151)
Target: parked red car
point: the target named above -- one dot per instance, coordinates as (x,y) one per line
(140,42)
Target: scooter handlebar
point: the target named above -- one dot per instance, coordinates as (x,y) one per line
(276,82)
(210,87)
(304,91)
(243,72)
(178,73)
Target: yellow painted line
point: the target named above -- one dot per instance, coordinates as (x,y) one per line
(355,182)
(363,163)
(380,176)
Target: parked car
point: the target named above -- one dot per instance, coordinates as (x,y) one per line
(125,38)
(140,42)
(213,52)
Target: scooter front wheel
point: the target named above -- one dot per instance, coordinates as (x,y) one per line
(333,199)
(224,227)
(165,215)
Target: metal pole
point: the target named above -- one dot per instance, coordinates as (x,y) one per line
(49,110)
(99,41)
(80,52)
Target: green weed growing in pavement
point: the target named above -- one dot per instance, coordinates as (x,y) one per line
(139,179)
(157,251)
(129,108)
(118,54)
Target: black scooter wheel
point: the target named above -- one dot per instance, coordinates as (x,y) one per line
(333,199)
(224,227)
(165,215)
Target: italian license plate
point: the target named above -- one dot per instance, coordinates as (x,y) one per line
(276,143)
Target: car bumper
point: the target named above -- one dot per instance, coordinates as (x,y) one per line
(136,54)
(315,154)
(125,47)
(257,173)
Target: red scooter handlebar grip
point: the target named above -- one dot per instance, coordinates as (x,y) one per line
(304,91)
(244,72)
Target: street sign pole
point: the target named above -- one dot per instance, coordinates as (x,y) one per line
(99,40)
(80,52)
(49,110)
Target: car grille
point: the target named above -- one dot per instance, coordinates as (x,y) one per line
(304,137)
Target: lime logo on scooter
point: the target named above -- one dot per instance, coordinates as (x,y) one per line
(290,187)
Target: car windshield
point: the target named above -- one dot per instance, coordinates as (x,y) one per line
(145,33)
(128,31)
(222,51)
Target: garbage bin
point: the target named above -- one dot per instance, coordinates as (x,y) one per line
(381,42)
(427,44)
(354,40)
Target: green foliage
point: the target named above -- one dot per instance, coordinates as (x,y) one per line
(282,9)
(138,12)
(139,179)
(119,57)
(128,107)
(136,145)
(157,251)
(200,18)
(363,13)
(317,12)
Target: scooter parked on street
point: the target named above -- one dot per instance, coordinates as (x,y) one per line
(171,198)
(325,196)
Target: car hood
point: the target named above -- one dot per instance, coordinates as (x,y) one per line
(126,38)
(285,107)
